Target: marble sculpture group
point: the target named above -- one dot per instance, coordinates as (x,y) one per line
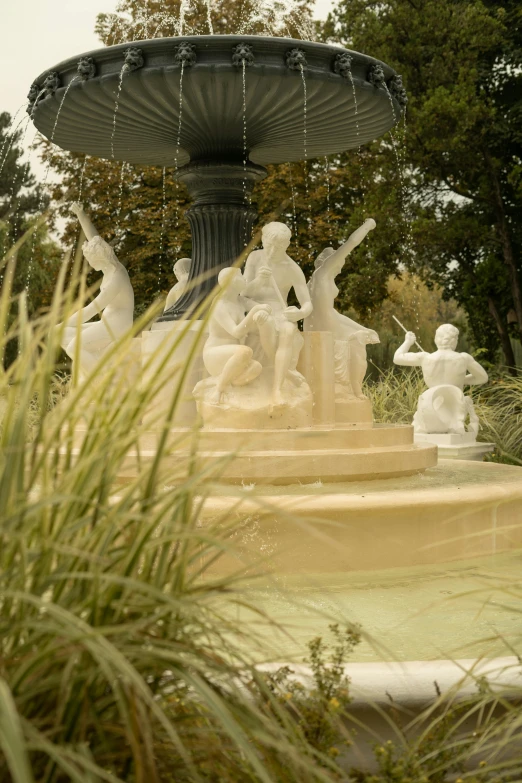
(252,350)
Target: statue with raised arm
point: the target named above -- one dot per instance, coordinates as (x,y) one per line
(270,274)
(350,338)
(443,408)
(114,304)
(181,271)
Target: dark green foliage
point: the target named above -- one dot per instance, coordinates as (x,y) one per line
(460,62)
(21,202)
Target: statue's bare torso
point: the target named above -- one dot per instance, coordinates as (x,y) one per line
(445,366)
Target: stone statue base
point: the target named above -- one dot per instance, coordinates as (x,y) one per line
(454,446)
(349,408)
(248,407)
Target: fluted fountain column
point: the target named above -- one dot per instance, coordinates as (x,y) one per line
(221,221)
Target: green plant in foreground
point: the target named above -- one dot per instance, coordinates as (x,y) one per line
(319,708)
(110,609)
(119,660)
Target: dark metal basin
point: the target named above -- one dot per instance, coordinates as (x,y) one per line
(212,108)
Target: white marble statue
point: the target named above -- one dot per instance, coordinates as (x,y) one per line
(181,271)
(350,338)
(238,393)
(270,275)
(114,304)
(225,356)
(443,408)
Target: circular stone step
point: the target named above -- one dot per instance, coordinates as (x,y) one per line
(329,454)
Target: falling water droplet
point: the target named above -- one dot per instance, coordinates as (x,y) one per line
(327,173)
(408,238)
(209,19)
(305,151)
(178,144)
(163,221)
(11,124)
(182,11)
(120,193)
(117,106)
(44,183)
(11,142)
(292,191)
(245,153)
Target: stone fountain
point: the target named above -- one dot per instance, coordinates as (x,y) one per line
(217,109)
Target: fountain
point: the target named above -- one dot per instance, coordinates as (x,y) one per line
(179,102)
(218,108)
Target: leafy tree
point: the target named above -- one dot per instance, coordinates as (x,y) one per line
(460,60)
(141,19)
(21,201)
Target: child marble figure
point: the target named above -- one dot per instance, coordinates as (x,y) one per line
(224,355)
(181,271)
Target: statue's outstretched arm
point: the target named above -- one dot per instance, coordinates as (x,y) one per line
(351,243)
(404,358)
(85,221)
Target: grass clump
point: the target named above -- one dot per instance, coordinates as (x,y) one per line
(119,660)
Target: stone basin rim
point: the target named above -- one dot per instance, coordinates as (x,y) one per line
(217,43)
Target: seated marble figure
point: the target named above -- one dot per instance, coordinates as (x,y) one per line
(443,408)
(225,356)
(181,271)
(270,274)
(114,304)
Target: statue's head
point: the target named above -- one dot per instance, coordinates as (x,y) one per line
(447,336)
(323,255)
(276,237)
(99,254)
(232,280)
(181,268)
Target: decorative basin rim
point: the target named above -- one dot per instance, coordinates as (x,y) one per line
(210,49)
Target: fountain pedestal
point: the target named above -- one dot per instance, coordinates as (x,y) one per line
(221,221)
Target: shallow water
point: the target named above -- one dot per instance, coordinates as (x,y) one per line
(465,609)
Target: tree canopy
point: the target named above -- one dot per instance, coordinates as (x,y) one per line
(460,61)
(21,201)
(445,188)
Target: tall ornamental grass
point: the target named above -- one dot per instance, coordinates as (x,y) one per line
(120,659)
